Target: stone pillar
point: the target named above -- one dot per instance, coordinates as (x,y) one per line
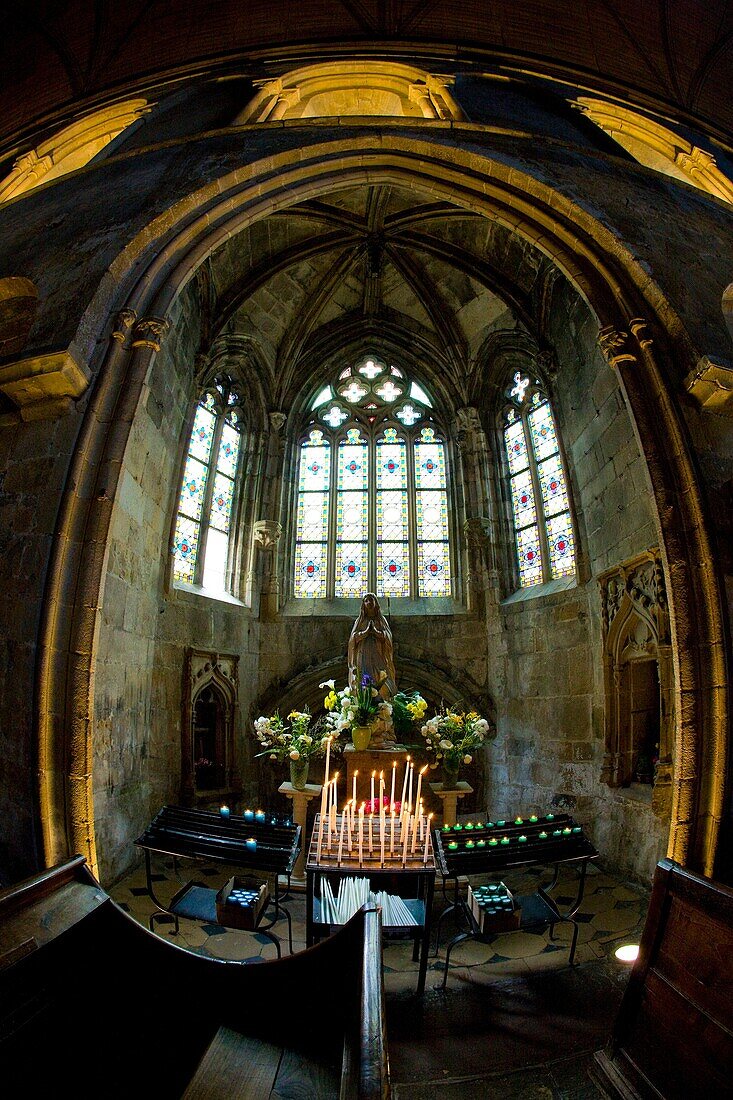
(480,557)
(450,798)
(300,800)
(267,534)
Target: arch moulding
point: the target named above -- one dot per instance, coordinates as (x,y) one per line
(145,280)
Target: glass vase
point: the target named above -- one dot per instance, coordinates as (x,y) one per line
(450,774)
(299,773)
(361,736)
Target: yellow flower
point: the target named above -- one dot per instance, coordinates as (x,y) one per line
(331,700)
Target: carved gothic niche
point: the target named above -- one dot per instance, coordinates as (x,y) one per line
(209,769)
(637,668)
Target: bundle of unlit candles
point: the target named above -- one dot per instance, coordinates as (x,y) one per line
(355,892)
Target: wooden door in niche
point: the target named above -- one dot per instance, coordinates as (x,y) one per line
(209,772)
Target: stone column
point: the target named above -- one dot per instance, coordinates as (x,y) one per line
(267,534)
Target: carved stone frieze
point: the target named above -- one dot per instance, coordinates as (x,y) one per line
(639,582)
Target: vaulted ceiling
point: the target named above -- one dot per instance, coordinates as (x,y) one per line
(673,52)
(428,279)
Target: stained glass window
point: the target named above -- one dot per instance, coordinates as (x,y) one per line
(208,490)
(543,528)
(379,520)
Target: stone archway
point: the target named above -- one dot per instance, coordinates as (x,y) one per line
(635,336)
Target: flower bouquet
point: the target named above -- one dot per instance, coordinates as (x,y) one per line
(407,709)
(296,743)
(357,710)
(452,737)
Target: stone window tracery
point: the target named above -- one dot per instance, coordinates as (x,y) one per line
(207,500)
(372,497)
(544,539)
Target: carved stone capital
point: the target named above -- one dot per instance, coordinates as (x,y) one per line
(696,161)
(616,345)
(44,387)
(640,330)
(149,332)
(124,323)
(277,421)
(476,532)
(267,533)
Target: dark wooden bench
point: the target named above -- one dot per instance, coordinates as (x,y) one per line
(673,1036)
(93,1004)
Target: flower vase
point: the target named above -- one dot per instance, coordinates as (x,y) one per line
(361,736)
(299,774)
(450,775)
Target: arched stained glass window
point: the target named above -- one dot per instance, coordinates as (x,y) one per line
(543,527)
(540,508)
(380,505)
(208,490)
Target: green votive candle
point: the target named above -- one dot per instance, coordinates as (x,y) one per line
(481,843)
(566,831)
(577,829)
(493,842)
(453,844)
(519,821)
(500,823)
(550,817)
(543,835)
(533,818)
(557,832)
(469,825)
(446,828)
(470,844)
(505,840)
(522,839)
(457,828)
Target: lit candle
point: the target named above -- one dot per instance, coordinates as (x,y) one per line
(404,785)
(409,788)
(481,843)
(522,839)
(414,830)
(320,836)
(391,841)
(350,817)
(493,842)
(361,832)
(404,846)
(249,815)
(505,840)
(533,818)
(381,841)
(224,811)
(427,839)
(394,773)
(260,816)
(372,791)
(251,844)
(419,785)
(543,835)
(371,822)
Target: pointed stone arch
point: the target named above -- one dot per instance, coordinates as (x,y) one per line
(638,333)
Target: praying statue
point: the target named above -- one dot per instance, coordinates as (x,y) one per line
(370,654)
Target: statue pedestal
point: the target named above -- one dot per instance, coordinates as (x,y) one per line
(300,817)
(450,798)
(373,760)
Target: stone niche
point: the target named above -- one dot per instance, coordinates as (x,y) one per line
(209,771)
(637,667)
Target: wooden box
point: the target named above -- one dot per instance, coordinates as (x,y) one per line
(494,909)
(240,904)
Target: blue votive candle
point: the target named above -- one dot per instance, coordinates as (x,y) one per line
(249,815)
(224,811)
(251,844)
(260,816)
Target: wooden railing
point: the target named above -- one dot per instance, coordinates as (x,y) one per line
(92,1003)
(673,1037)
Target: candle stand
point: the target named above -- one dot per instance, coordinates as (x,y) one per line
(450,798)
(374,760)
(410,876)
(300,800)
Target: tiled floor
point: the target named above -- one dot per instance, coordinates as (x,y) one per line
(612,911)
(514,1019)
